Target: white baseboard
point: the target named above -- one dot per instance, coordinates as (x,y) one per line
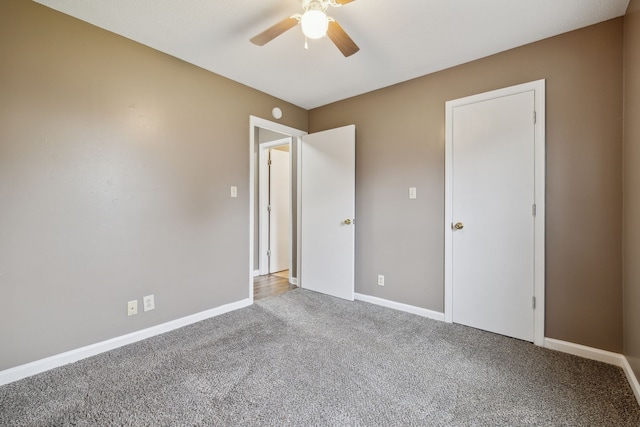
(256,273)
(633,380)
(583,351)
(599,355)
(402,307)
(23,371)
(293,281)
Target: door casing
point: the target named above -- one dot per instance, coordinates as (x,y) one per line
(256,123)
(263,202)
(538,87)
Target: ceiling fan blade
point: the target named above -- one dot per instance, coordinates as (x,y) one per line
(343,1)
(271,33)
(341,39)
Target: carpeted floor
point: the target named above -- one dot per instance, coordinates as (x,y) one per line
(306,359)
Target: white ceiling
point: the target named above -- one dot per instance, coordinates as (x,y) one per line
(399,39)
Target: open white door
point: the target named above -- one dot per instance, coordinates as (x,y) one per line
(327,192)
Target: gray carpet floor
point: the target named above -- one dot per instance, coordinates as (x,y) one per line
(306,359)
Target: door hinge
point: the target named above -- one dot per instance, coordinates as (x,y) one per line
(269,252)
(269,162)
(533,302)
(535,117)
(268,208)
(534,209)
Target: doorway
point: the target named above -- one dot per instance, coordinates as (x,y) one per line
(494,219)
(275,214)
(280,246)
(329,246)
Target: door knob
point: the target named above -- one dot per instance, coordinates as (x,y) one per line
(458,226)
(347,221)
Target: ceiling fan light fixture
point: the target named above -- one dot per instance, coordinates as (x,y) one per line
(314,24)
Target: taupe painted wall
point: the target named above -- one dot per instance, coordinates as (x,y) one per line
(116,162)
(115,167)
(631,234)
(400,143)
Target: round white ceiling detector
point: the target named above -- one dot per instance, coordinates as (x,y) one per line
(276,113)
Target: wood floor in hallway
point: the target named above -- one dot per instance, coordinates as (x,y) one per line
(270,285)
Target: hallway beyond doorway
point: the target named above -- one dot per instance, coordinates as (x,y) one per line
(271,285)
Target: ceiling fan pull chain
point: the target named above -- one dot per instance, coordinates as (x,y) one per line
(306,44)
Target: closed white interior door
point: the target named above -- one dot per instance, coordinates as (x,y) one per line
(492,203)
(280,210)
(327,191)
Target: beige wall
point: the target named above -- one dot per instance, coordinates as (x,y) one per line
(116,162)
(115,167)
(400,143)
(631,235)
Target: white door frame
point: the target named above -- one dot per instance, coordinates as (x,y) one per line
(539,194)
(254,124)
(263,203)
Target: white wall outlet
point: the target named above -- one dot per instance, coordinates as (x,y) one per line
(148,303)
(380,280)
(412,193)
(132,308)
(234,191)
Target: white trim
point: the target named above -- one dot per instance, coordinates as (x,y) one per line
(293,280)
(633,380)
(298,213)
(254,123)
(263,202)
(256,273)
(540,221)
(23,371)
(584,351)
(401,307)
(539,198)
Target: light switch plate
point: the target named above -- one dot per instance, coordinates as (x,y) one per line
(412,193)
(234,191)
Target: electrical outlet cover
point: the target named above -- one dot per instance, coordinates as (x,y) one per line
(148,303)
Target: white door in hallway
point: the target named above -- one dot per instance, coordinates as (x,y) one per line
(327,191)
(280,210)
(492,221)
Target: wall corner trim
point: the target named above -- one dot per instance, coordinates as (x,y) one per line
(604,356)
(23,371)
(633,380)
(400,306)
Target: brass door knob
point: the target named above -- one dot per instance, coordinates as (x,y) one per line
(347,221)
(458,226)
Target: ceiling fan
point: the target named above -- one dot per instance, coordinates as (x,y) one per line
(315,24)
